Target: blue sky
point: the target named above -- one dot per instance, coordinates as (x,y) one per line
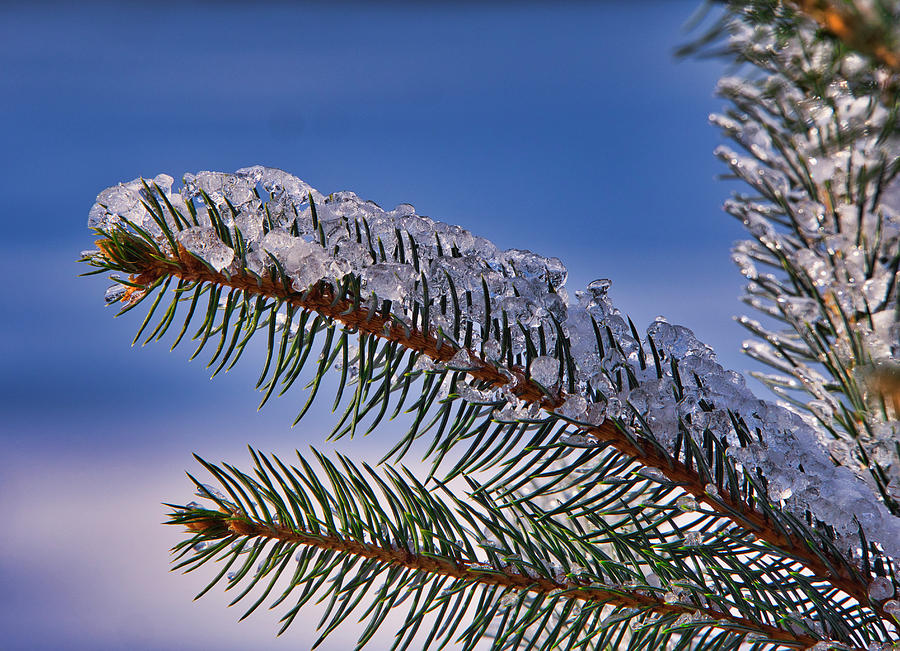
(568,129)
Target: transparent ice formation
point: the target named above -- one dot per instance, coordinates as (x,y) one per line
(407,263)
(204,243)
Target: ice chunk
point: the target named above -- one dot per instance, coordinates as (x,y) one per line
(528,264)
(123,201)
(508,600)
(204,242)
(492,349)
(693,539)
(391,281)
(881,588)
(115,293)
(686,503)
(462,360)
(545,370)
(575,408)
(892,608)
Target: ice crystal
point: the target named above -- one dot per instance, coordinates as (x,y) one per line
(115,293)
(693,539)
(508,600)
(204,242)
(686,503)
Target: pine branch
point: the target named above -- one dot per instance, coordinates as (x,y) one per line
(640,495)
(340,519)
(790,537)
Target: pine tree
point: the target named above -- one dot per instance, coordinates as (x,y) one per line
(588,485)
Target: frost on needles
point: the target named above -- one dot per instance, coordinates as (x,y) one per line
(580,349)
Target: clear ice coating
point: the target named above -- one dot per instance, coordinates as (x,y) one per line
(411,260)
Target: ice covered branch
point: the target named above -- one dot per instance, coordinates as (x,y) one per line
(820,151)
(505,318)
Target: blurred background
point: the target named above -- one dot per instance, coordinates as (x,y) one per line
(568,129)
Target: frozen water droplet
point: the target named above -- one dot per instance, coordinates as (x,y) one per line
(880,589)
(115,293)
(424,363)
(492,349)
(206,491)
(686,503)
(578,440)
(652,473)
(545,370)
(599,288)
(508,600)
(204,242)
(693,539)
(471,394)
(575,407)
(462,360)
(391,281)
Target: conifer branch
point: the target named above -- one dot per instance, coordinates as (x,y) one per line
(869,30)
(794,542)
(357,529)
(623,465)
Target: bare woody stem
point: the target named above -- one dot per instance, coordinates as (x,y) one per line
(320,299)
(856,28)
(222,525)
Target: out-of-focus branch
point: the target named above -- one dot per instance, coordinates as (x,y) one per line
(860,28)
